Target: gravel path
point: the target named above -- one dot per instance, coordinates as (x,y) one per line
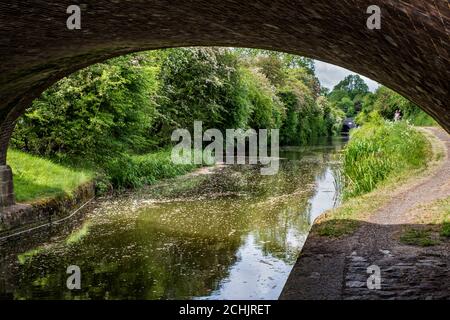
(434,187)
(337,268)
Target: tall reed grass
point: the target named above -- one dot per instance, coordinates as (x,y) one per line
(380,150)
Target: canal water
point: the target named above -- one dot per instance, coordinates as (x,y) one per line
(220,233)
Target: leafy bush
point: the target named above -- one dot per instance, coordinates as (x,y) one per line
(202,84)
(385,101)
(349,94)
(266,110)
(95,113)
(307,117)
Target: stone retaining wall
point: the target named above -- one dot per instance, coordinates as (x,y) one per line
(23,216)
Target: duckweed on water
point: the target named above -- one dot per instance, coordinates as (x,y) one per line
(229,234)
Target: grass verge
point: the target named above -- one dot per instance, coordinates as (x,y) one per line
(37,178)
(367,189)
(40,178)
(380,150)
(134,171)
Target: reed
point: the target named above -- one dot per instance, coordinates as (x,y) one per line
(380,150)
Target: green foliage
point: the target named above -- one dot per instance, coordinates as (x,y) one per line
(352,96)
(353,85)
(333,116)
(282,61)
(266,109)
(349,94)
(379,150)
(386,102)
(95,113)
(273,68)
(346,105)
(202,84)
(244,88)
(136,171)
(307,116)
(301,113)
(304,119)
(111,116)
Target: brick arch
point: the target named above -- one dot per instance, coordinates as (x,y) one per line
(410,53)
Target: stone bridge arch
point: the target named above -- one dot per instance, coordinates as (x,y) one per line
(410,53)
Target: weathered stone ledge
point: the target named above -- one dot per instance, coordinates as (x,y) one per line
(23,216)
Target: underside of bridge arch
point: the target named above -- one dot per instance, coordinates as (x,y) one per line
(410,53)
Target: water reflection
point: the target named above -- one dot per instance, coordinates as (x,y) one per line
(231,234)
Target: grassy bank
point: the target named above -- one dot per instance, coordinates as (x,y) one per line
(139,170)
(379,158)
(38,178)
(381,150)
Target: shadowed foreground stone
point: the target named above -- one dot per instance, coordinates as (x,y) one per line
(410,53)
